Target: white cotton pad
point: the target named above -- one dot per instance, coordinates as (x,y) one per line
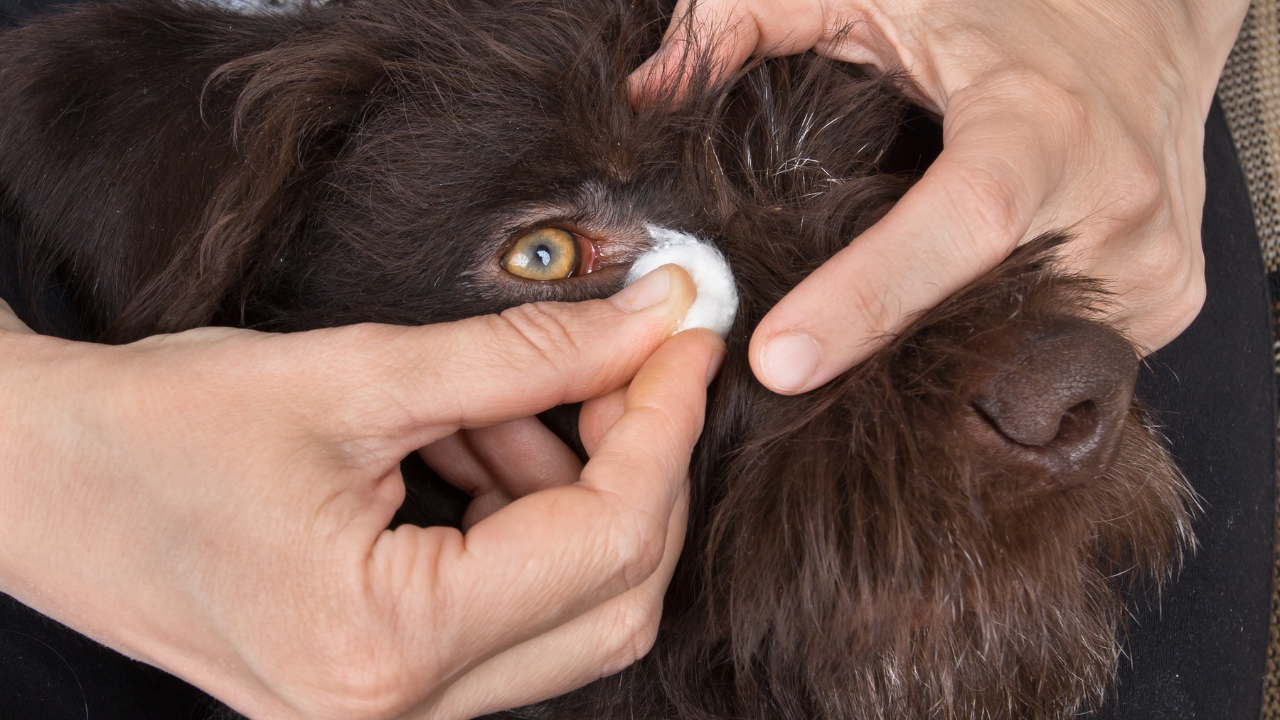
(717,302)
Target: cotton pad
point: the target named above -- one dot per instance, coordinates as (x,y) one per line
(717,301)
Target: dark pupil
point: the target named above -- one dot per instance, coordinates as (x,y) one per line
(543,254)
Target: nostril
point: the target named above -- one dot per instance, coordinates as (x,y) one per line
(1025,412)
(1078,424)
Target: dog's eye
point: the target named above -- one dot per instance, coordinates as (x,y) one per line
(546,254)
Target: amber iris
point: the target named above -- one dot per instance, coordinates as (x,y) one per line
(544,254)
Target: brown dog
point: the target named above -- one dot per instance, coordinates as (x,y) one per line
(946,531)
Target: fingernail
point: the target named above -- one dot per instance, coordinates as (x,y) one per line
(714,367)
(643,293)
(788,361)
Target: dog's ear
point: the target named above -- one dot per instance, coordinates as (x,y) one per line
(289,110)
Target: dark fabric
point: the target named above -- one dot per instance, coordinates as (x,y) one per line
(1198,653)
(48,672)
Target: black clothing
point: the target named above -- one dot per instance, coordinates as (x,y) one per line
(1201,652)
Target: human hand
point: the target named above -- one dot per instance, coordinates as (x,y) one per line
(1079,114)
(215,503)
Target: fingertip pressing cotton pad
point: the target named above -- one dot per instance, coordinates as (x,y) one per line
(717,303)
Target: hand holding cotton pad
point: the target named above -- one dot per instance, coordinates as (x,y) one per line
(717,303)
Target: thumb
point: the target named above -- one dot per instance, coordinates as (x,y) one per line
(412,386)
(969,211)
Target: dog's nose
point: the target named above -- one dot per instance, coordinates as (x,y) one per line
(1056,400)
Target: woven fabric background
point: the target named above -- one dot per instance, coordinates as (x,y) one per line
(1250,95)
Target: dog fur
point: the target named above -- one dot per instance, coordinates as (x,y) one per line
(944,531)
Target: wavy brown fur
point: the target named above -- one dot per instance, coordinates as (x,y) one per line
(854,553)
(860,559)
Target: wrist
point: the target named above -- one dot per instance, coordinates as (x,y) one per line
(47,482)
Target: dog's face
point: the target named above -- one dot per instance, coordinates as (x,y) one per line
(947,530)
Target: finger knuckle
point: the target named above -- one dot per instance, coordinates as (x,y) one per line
(1139,188)
(1171,293)
(543,330)
(636,633)
(984,196)
(637,545)
(641,553)
(1187,304)
(1049,99)
(1173,262)
(362,670)
(1069,110)
(1027,92)
(360,690)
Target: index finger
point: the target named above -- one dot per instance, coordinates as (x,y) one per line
(718,36)
(716,31)
(965,215)
(553,555)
